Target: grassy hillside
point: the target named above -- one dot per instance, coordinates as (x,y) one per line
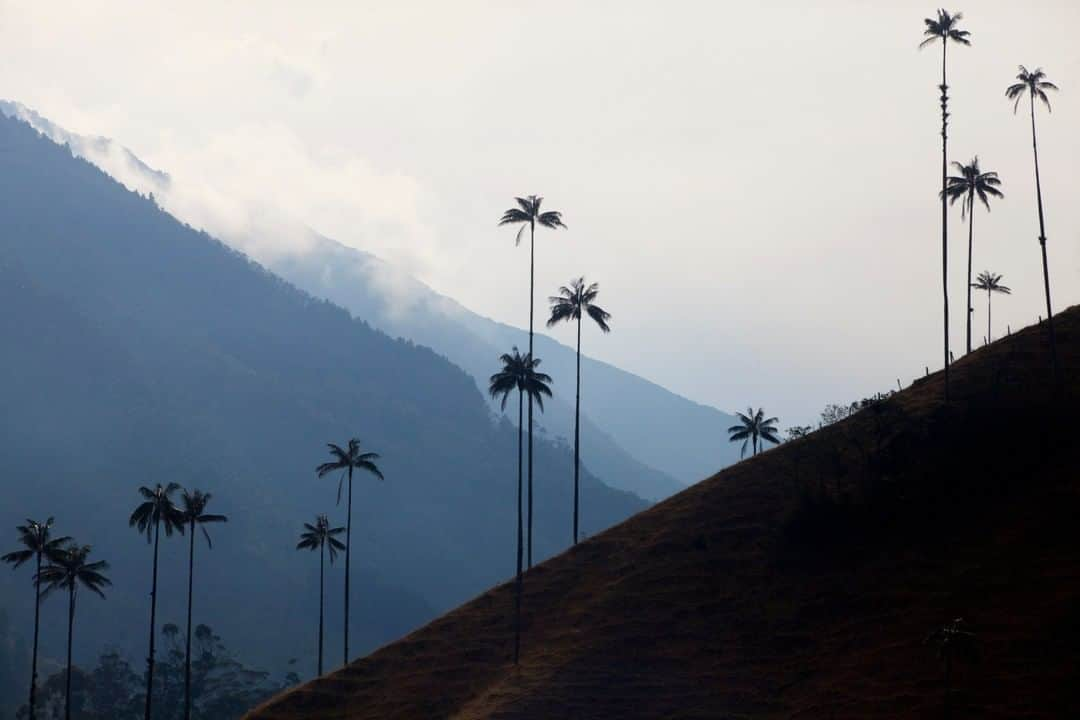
(801,583)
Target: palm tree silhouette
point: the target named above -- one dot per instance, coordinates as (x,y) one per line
(991,283)
(320,536)
(754,428)
(1035,85)
(69,569)
(569,305)
(972,182)
(953,642)
(37,543)
(348,460)
(944,28)
(520,374)
(155,510)
(527,214)
(194,511)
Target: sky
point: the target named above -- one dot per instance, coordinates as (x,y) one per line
(753,185)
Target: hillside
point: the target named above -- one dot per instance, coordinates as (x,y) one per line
(798,584)
(137,350)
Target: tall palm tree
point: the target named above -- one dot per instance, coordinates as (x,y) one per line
(754,428)
(944,28)
(519,373)
(348,459)
(321,537)
(37,543)
(527,214)
(156,510)
(971,183)
(68,571)
(194,510)
(1035,85)
(953,641)
(569,305)
(991,283)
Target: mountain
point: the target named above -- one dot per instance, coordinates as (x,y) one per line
(809,581)
(137,350)
(636,435)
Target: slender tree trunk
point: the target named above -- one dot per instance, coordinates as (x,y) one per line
(944,205)
(532,279)
(577,430)
(71,626)
(1042,244)
(348,556)
(153,620)
(37,625)
(187,651)
(971,246)
(322,564)
(989,339)
(520,542)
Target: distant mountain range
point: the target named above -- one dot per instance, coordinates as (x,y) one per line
(636,435)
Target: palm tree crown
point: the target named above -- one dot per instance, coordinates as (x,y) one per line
(970,184)
(1033,82)
(519,373)
(321,535)
(528,214)
(158,508)
(347,459)
(193,508)
(571,301)
(990,282)
(752,428)
(70,569)
(944,28)
(35,538)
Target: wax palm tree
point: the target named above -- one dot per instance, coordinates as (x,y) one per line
(38,544)
(944,28)
(970,184)
(753,429)
(527,214)
(569,305)
(67,571)
(953,641)
(991,283)
(519,374)
(1035,85)
(347,459)
(193,506)
(321,537)
(155,511)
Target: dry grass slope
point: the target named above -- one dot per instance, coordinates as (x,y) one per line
(799,584)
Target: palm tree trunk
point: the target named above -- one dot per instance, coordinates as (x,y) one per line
(532,280)
(577,430)
(153,620)
(1042,244)
(989,339)
(971,245)
(517,583)
(322,565)
(187,651)
(944,205)
(37,625)
(71,626)
(348,555)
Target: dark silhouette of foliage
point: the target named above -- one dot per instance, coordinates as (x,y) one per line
(321,537)
(69,570)
(970,184)
(753,429)
(991,283)
(519,374)
(1034,84)
(346,460)
(568,306)
(944,28)
(194,510)
(156,510)
(38,544)
(528,214)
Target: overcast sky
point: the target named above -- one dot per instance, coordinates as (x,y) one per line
(752,184)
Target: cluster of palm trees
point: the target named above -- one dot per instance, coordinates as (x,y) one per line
(973,183)
(61,564)
(572,303)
